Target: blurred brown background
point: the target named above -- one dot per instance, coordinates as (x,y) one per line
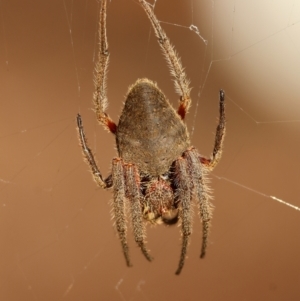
(57,241)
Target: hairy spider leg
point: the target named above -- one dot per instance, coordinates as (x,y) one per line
(100,97)
(89,157)
(219,139)
(173,60)
(185,209)
(119,192)
(191,182)
(133,194)
(201,193)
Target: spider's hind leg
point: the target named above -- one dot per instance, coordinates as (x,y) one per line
(100,97)
(174,62)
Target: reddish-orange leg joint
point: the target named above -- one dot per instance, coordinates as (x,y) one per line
(111,125)
(182,110)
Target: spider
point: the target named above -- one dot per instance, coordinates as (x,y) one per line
(157,173)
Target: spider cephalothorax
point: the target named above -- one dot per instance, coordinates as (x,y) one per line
(157,173)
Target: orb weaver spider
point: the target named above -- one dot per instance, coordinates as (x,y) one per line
(157,173)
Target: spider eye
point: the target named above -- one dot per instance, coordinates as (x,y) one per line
(165,176)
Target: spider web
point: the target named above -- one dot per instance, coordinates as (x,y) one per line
(57,239)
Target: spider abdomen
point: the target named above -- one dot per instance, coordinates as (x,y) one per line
(150,133)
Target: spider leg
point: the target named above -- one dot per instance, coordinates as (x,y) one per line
(176,69)
(100,97)
(89,157)
(220,134)
(201,192)
(185,209)
(119,204)
(134,196)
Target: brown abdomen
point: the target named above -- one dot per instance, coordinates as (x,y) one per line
(150,133)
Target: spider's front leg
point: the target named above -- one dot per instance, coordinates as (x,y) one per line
(126,188)
(133,194)
(190,179)
(220,134)
(197,176)
(184,195)
(119,191)
(89,157)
